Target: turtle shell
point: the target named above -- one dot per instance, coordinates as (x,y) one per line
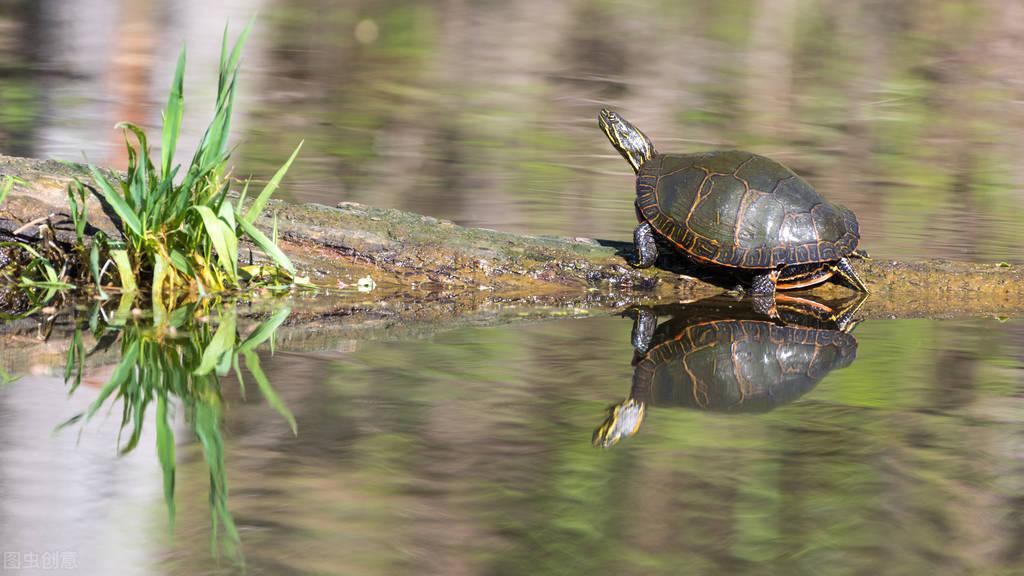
(742,210)
(738,365)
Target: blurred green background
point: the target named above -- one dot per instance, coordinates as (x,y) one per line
(910,113)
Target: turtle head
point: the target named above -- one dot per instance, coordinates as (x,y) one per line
(634,146)
(623,421)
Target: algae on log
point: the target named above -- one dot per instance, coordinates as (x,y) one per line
(407,252)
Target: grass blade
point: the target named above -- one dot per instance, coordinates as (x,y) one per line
(124,269)
(165,452)
(138,413)
(26,247)
(6,378)
(226,213)
(77,203)
(140,178)
(207,429)
(46,284)
(94,268)
(181,263)
(5,188)
(244,194)
(223,240)
(121,374)
(172,117)
(117,202)
(162,273)
(267,245)
(264,331)
(223,342)
(252,362)
(238,375)
(230,66)
(268,190)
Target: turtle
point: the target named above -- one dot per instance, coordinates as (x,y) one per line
(715,356)
(738,210)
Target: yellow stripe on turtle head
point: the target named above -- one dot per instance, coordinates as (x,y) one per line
(634,146)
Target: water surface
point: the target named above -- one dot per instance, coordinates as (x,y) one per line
(470,452)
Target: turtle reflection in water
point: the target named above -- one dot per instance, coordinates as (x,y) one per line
(725,356)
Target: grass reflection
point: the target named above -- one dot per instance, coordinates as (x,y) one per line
(177,364)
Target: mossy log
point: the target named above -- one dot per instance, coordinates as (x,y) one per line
(425,258)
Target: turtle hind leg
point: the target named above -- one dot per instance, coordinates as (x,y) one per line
(646,246)
(843,269)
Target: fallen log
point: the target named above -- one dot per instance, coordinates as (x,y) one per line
(410,254)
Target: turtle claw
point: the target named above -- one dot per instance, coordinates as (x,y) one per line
(737,291)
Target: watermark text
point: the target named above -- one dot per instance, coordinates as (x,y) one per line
(48,560)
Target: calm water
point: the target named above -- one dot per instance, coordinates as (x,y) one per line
(469,451)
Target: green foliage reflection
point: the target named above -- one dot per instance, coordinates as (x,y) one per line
(177,365)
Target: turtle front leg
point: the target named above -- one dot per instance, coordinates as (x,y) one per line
(764,304)
(644,323)
(764,284)
(762,291)
(646,247)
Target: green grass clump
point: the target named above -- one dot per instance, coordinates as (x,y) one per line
(181,230)
(181,226)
